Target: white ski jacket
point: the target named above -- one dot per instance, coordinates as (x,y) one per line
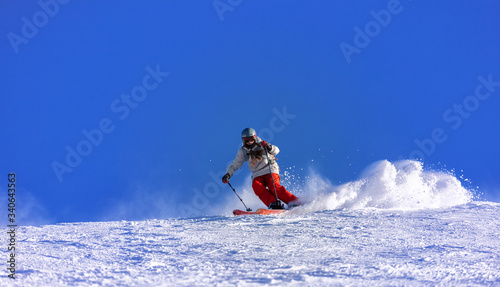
(257,161)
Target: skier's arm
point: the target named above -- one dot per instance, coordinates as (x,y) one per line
(274,150)
(237,163)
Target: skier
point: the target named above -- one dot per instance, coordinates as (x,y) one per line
(265,177)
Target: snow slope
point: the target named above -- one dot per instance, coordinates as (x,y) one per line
(371,232)
(448,246)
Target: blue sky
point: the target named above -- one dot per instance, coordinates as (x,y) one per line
(132,110)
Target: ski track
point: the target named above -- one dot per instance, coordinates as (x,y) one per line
(367,247)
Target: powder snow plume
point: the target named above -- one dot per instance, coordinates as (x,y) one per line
(403,185)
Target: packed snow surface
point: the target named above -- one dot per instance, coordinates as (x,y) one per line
(396,225)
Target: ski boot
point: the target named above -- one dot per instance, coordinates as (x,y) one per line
(276,205)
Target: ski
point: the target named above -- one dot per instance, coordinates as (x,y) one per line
(243,212)
(264,211)
(260,211)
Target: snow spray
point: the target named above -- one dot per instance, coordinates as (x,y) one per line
(403,185)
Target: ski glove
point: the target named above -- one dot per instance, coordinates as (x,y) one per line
(266,145)
(225,178)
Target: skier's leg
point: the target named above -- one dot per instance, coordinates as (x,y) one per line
(283,194)
(259,187)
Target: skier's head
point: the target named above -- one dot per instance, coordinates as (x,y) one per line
(248,136)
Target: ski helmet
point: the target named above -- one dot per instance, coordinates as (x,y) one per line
(248,132)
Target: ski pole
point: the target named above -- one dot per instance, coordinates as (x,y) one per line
(271,173)
(248,209)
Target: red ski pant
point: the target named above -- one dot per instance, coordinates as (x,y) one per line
(264,189)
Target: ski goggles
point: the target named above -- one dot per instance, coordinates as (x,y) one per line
(248,139)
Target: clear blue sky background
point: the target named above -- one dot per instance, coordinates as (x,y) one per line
(277,66)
